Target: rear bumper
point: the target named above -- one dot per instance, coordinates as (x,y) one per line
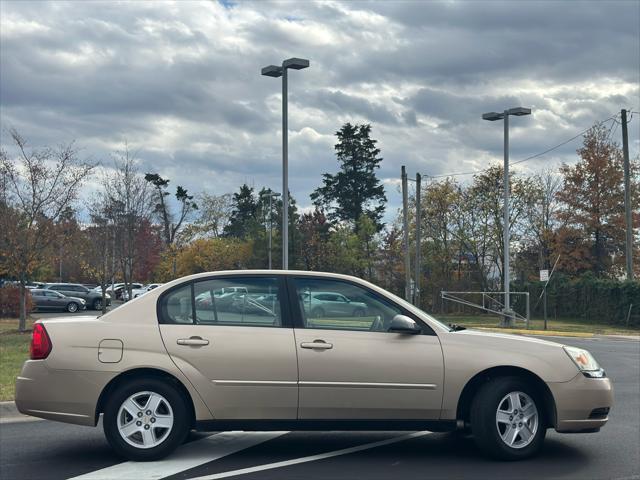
(68,396)
(580,403)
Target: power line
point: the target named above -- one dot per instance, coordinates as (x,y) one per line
(473,172)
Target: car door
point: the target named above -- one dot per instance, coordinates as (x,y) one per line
(81,291)
(353,368)
(240,356)
(342,305)
(56,300)
(40,299)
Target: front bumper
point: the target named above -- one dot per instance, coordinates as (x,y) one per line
(580,403)
(69,396)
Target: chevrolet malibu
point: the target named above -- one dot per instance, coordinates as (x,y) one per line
(164,364)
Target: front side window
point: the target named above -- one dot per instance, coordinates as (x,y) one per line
(241,301)
(339,305)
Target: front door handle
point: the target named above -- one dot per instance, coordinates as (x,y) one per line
(317,345)
(193,341)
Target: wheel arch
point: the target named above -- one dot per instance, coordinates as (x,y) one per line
(473,385)
(144,373)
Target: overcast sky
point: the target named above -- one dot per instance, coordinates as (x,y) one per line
(180,82)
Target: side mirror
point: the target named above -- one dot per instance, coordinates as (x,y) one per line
(403,324)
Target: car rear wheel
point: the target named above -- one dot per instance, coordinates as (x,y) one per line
(146,419)
(317,313)
(507,419)
(72,307)
(97,304)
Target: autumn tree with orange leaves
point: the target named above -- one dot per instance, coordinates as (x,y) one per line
(591,236)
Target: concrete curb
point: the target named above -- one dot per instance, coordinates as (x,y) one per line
(542,333)
(9,414)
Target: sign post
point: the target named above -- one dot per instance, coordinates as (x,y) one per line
(544,277)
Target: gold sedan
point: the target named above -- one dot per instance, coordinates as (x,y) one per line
(242,350)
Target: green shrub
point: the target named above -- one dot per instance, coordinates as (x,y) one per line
(596,300)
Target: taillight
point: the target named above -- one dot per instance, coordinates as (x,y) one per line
(40,342)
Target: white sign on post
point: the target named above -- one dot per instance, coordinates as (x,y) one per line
(544,275)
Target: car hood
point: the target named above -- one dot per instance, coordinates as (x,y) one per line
(507,337)
(476,350)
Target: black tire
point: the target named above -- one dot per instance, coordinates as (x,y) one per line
(359,312)
(179,430)
(483,419)
(72,307)
(97,304)
(317,313)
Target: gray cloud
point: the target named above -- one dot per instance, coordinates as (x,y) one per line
(180,82)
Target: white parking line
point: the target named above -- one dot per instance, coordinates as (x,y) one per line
(187,456)
(313,458)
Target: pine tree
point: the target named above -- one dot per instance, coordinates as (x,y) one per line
(355,190)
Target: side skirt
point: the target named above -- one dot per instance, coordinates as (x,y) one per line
(326,425)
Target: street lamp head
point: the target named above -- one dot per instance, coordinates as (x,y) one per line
(272,71)
(270,194)
(295,63)
(492,116)
(519,111)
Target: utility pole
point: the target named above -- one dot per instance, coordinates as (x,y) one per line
(627,197)
(416,292)
(405,229)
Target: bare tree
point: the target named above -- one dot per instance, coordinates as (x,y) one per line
(99,252)
(129,202)
(215,212)
(38,185)
(542,215)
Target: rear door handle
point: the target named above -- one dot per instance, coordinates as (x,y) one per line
(317,345)
(193,341)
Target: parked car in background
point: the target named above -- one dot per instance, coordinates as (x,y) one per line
(136,292)
(165,363)
(321,304)
(47,300)
(117,290)
(92,298)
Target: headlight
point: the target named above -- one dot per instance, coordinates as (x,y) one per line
(585,362)
(107,296)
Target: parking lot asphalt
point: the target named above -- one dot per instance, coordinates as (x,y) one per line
(48,450)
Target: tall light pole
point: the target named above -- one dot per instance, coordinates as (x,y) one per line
(493,116)
(276,71)
(270,194)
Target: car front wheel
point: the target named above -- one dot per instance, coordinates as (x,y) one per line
(72,307)
(146,420)
(97,304)
(507,419)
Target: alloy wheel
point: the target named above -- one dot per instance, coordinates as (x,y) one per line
(517,419)
(145,419)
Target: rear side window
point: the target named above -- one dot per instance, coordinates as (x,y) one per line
(240,301)
(176,306)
